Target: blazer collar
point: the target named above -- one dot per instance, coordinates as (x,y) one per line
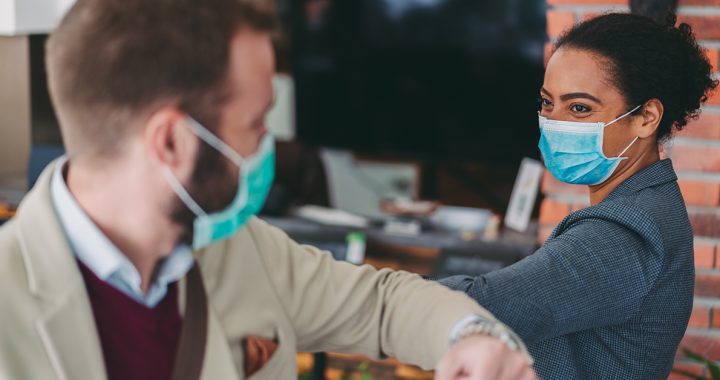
(51,268)
(656,174)
(66,325)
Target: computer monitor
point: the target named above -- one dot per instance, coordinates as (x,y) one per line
(438,79)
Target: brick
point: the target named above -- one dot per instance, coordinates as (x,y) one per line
(552,211)
(705,224)
(707,284)
(707,126)
(700,317)
(704,255)
(699,3)
(544,233)
(707,346)
(694,368)
(558,22)
(587,2)
(700,193)
(696,158)
(715,323)
(714,98)
(550,185)
(705,27)
(713,56)
(547,52)
(590,15)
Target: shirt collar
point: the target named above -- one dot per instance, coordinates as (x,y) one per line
(102,257)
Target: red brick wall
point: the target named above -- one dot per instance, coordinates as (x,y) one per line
(696,156)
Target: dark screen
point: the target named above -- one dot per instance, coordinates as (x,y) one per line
(428,78)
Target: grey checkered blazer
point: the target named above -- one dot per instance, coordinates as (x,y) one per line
(609,294)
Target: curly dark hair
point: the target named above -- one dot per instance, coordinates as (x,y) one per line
(648,60)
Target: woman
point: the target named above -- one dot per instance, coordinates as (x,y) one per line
(609,294)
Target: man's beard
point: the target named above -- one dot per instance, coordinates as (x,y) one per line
(213,186)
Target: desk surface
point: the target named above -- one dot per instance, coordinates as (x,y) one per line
(417,254)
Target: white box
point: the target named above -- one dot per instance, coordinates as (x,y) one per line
(524,194)
(15,117)
(22,17)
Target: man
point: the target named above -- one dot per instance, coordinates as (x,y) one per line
(162,106)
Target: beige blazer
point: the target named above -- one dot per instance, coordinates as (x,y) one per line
(259,283)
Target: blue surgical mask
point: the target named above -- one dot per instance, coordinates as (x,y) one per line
(254,181)
(573,151)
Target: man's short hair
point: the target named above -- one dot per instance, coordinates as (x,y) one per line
(112,62)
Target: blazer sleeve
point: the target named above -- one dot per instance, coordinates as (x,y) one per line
(339,307)
(594,274)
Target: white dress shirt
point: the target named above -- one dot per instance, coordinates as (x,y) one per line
(103,258)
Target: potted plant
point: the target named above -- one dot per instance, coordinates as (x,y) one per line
(713,369)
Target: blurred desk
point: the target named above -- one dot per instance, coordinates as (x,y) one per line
(431,253)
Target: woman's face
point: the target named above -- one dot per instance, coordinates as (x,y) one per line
(576,88)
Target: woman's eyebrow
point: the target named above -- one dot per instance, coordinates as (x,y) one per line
(573,95)
(579,95)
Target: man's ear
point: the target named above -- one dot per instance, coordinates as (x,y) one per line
(169,141)
(651,113)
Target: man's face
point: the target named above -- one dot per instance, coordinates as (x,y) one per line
(252,66)
(241,125)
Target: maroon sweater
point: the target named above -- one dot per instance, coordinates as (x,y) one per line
(137,342)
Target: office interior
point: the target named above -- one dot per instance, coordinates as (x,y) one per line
(406,135)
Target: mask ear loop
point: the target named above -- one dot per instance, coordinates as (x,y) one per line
(628,147)
(214,141)
(624,115)
(182,193)
(636,137)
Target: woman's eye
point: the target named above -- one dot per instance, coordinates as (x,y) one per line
(544,102)
(579,108)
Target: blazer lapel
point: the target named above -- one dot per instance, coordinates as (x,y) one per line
(219,363)
(66,324)
(69,335)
